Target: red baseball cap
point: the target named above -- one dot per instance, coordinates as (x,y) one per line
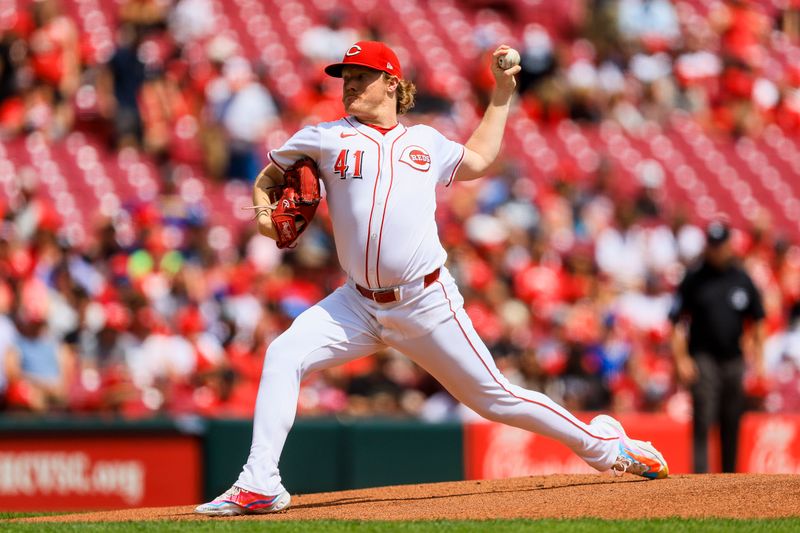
(371,54)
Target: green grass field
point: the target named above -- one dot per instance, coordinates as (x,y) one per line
(503,526)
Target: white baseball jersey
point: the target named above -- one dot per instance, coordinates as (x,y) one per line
(381,194)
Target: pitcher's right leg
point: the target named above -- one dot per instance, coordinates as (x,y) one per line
(332,332)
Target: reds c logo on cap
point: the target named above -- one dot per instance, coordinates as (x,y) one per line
(417,158)
(371,54)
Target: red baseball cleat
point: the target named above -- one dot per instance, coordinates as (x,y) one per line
(237,501)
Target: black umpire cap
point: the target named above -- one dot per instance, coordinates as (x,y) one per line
(717,232)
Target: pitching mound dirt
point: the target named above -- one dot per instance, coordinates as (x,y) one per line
(558,496)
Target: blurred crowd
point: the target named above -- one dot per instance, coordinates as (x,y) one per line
(167,82)
(568,282)
(725,63)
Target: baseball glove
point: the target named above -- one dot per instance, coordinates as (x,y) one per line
(298,202)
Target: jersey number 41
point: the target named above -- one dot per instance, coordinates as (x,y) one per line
(341,167)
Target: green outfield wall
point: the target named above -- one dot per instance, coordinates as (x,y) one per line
(328,454)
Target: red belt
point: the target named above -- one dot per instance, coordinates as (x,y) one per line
(385,296)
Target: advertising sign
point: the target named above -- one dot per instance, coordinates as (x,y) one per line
(55,473)
(767,444)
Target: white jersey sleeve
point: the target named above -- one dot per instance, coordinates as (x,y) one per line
(306,142)
(451,155)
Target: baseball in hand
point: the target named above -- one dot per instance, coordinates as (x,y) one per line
(511,59)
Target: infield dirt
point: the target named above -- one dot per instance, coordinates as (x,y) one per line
(556,496)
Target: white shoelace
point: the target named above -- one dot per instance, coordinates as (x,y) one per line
(621,466)
(631,466)
(230,493)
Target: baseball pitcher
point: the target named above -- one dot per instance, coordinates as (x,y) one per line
(380,178)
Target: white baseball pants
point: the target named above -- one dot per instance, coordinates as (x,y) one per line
(430,326)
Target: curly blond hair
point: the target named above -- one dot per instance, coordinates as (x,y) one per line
(405,94)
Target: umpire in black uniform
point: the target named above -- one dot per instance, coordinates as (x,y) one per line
(717,298)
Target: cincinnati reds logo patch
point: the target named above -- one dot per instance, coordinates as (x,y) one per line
(353,50)
(417,158)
